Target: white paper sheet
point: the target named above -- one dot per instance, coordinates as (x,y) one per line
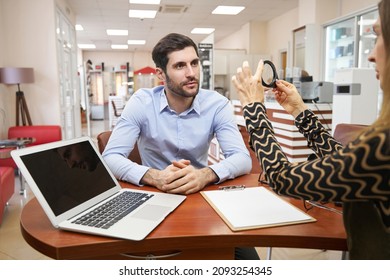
(254,207)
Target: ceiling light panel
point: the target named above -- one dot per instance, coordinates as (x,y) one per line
(228,10)
(147,2)
(117,32)
(119,47)
(86,46)
(202,30)
(136,42)
(79,27)
(142,14)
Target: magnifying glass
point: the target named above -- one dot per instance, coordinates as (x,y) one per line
(269,75)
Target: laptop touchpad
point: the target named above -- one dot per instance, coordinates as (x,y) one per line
(152,212)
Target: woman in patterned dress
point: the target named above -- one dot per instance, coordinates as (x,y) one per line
(357,175)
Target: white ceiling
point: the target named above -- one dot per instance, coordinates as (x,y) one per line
(96,16)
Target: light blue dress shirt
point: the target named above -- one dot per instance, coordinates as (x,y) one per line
(162,135)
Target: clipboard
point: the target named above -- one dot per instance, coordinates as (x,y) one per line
(246,208)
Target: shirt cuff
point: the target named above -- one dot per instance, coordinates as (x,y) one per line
(221,172)
(136,174)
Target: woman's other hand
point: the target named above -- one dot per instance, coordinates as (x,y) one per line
(288,97)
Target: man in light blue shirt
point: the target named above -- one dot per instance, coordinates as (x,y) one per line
(173,126)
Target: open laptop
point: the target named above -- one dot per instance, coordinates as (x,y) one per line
(70,178)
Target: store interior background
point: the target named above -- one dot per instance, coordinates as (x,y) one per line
(30,41)
(27,29)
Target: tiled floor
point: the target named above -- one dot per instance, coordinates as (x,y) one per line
(13,246)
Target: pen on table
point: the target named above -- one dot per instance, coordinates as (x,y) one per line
(233,187)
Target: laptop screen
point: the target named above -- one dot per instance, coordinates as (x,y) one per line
(68,175)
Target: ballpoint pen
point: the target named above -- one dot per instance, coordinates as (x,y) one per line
(232,187)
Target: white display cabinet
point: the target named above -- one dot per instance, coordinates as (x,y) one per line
(348,42)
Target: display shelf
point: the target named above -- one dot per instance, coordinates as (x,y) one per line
(348,42)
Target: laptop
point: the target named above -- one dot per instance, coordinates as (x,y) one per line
(72,182)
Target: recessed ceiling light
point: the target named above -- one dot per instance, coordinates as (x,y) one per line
(119,47)
(86,46)
(117,32)
(136,42)
(142,13)
(79,27)
(147,2)
(202,30)
(228,10)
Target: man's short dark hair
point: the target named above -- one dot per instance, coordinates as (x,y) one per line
(170,43)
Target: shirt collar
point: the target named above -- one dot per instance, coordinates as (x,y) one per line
(195,107)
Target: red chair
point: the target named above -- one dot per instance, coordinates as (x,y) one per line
(103,138)
(346,132)
(41,134)
(7,187)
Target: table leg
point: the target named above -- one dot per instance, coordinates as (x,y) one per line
(21,180)
(269,253)
(345,255)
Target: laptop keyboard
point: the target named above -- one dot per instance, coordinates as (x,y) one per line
(113,210)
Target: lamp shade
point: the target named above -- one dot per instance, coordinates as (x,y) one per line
(15,75)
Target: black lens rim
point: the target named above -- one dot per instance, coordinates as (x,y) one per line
(272,84)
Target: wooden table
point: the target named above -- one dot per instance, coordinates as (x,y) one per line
(193,231)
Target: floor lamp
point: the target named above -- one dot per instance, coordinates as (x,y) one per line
(16,76)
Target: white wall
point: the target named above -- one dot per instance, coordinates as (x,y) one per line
(305,10)
(258,31)
(279,35)
(248,38)
(236,41)
(351,6)
(327,10)
(28,33)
